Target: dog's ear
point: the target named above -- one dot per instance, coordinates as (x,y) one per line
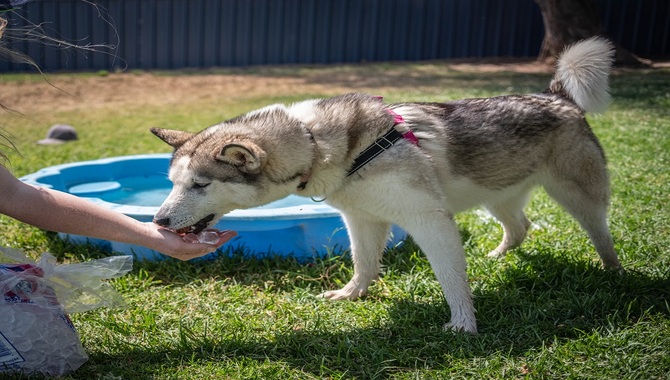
(174,138)
(245,156)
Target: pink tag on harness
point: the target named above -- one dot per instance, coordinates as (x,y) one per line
(397,119)
(409,136)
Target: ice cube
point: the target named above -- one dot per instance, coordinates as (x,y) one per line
(208,236)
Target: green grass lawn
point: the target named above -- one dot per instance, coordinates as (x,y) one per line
(546,310)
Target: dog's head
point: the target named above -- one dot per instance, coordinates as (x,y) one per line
(239,164)
(209,179)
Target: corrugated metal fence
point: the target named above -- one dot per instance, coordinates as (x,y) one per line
(170,34)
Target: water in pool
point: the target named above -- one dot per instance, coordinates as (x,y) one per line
(148,191)
(151,191)
(151,197)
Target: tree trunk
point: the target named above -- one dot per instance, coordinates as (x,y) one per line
(568,21)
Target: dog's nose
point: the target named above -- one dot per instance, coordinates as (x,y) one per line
(163,222)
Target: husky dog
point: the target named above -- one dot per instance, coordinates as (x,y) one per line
(410,164)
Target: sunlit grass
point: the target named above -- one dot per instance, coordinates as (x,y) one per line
(547,310)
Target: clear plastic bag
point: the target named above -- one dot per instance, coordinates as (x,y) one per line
(36,334)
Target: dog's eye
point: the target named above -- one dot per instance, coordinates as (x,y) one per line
(200,185)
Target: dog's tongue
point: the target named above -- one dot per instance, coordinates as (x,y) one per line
(206,236)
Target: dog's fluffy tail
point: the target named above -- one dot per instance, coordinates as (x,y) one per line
(582,73)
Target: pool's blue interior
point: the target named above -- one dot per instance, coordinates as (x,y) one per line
(137,191)
(97,178)
(137,185)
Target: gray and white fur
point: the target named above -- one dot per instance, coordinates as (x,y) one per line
(474,152)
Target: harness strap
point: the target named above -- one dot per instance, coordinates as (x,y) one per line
(375,149)
(379,146)
(383,143)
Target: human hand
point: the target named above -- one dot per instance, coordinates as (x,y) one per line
(172,244)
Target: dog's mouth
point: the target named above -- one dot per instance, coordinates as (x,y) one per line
(197,227)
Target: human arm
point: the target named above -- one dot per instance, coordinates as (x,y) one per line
(57,211)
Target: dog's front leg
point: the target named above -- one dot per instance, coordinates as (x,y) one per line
(368,239)
(437,235)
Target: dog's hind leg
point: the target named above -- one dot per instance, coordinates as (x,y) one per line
(514,222)
(586,198)
(436,233)
(368,239)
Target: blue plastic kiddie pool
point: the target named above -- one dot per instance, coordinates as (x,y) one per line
(137,185)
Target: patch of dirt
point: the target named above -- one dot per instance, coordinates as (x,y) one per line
(128,90)
(67,92)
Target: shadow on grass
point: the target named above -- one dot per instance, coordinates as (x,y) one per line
(530,304)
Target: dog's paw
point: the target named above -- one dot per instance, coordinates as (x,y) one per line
(467,327)
(617,270)
(343,294)
(496,254)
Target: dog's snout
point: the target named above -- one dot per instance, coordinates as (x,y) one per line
(163,222)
